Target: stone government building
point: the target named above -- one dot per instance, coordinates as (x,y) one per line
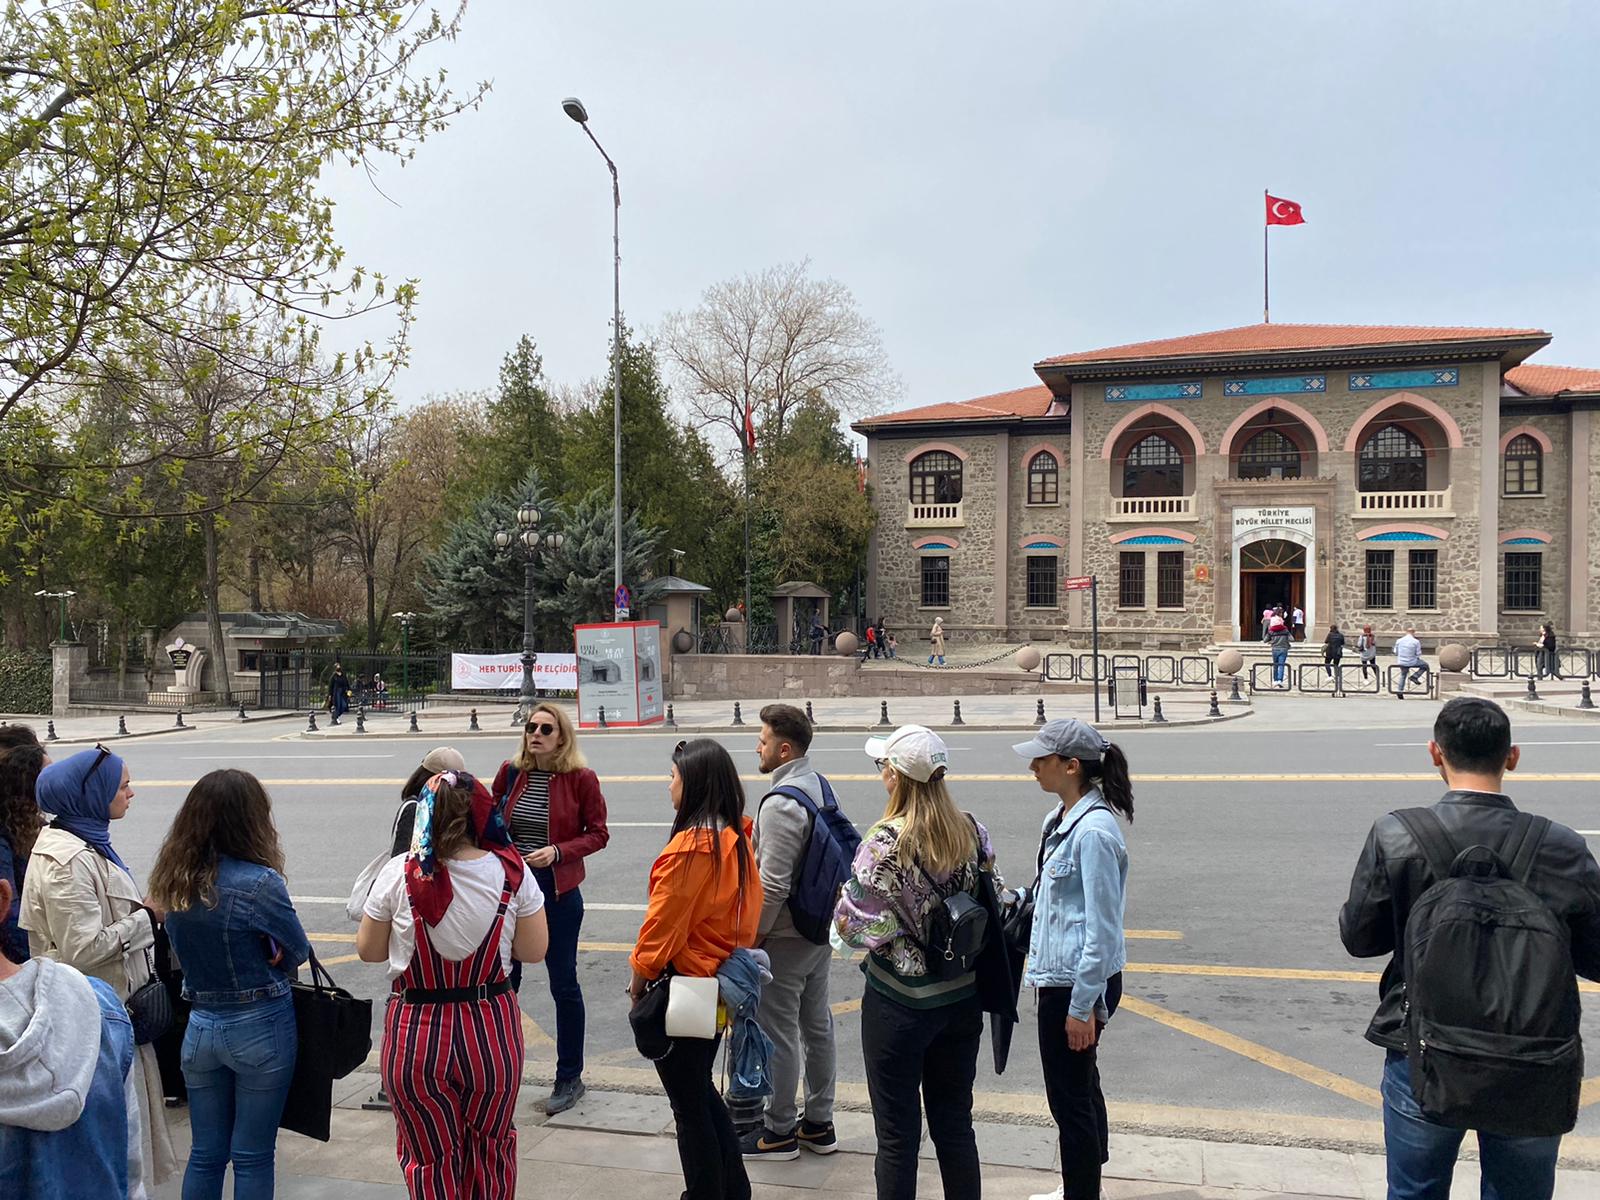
(1398,476)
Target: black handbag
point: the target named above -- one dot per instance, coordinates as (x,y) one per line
(334,1035)
(648,1017)
(150,1007)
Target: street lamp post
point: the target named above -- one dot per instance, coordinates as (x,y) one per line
(405,619)
(574,108)
(527,537)
(63,597)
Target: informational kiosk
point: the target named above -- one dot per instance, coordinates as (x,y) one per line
(619,670)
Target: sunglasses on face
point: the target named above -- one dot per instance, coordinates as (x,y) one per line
(881,763)
(83,784)
(541,727)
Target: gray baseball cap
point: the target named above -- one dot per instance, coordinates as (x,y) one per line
(1070,738)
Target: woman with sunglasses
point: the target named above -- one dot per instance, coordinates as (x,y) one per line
(557,815)
(81,907)
(705,903)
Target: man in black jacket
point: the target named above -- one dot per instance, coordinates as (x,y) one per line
(1472,749)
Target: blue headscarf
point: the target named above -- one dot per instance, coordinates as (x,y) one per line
(78,793)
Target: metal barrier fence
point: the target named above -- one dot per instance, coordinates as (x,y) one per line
(1160,668)
(1192,669)
(1523,662)
(1402,679)
(1197,670)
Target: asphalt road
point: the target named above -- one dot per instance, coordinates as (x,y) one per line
(1240,996)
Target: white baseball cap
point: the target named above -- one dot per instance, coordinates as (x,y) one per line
(914,750)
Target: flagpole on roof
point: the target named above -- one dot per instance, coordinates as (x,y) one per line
(1266,271)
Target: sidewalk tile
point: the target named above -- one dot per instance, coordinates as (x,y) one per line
(1139,1156)
(584,1147)
(1009,1146)
(318,1187)
(855,1132)
(1280,1169)
(808,1173)
(616,1112)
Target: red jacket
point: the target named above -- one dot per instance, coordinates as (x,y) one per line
(577,817)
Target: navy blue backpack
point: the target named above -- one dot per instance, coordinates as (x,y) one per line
(830,849)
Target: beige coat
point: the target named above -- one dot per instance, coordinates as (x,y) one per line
(936,636)
(83,910)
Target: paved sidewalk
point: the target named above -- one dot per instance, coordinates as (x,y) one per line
(86,730)
(619,1144)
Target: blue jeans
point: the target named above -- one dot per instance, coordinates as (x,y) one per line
(1422,1154)
(1280,659)
(565,921)
(238,1065)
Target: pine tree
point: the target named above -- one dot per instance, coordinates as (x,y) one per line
(576,583)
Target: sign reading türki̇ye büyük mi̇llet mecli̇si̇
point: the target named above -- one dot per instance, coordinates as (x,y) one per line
(1297,519)
(500,672)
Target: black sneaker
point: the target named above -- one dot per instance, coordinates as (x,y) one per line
(565,1094)
(763,1143)
(817,1138)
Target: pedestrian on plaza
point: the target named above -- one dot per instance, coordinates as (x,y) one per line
(1279,638)
(557,815)
(1077,950)
(1549,660)
(1525,893)
(936,637)
(920,1025)
(80,906)
(794,1009)
(21,760)
(1333,649)
(1408,656)
(448,918)
(69,1109)
(882,639)
(871,650)
(705,903)
(338,693)
(1297,622)
(1367,648)
(219,876)
(817,632)
(894,647)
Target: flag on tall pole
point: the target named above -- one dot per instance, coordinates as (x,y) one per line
(749,428)
(1279,212)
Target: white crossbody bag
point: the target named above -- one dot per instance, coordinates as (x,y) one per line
(692,1006)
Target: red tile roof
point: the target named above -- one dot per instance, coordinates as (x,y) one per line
(1545,379)
(1247,339)
(1022,402)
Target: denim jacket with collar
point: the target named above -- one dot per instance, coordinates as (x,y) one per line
(1077,937)
(224,948)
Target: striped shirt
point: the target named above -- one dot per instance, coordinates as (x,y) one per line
(530,816)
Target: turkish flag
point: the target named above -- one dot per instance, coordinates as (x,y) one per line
(1283,212)
(749,428)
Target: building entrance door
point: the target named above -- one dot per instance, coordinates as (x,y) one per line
(1270,572)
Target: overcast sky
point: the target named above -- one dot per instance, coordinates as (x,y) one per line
(1001,182)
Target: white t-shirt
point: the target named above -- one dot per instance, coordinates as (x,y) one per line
(475,885)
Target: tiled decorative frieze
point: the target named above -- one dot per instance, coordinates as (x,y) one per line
(1186,389)
(1373,381)
(1280,386)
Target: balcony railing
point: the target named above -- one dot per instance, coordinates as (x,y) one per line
(1146,508)
(933,516)
(1387,504)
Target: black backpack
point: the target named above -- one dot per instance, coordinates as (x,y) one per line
(957,928)
(1490,995)
(830,850)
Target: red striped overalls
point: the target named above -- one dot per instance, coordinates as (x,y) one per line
(452,1071)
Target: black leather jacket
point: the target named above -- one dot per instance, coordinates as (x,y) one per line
(1392,873)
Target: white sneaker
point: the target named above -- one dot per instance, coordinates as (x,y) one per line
(1058,1194)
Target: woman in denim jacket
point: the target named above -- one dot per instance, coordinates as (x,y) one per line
(219,875)
(1077,952)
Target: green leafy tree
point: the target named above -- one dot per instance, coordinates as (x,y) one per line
(522,428)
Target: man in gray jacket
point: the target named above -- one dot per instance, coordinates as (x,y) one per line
(794,1010)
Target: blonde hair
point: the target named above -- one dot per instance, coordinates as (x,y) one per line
(936,833)
(566,758)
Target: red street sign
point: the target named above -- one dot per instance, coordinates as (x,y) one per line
(1077,583)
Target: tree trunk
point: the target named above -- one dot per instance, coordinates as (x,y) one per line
(255,580)
(372,614)
(122,655)
(218,648)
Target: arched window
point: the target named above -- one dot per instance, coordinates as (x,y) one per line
(1269,455)
(1524,468)
(1393,460)
(1153,468)
(1044,475)
(936,478)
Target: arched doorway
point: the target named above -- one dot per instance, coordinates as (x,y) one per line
(1271,571)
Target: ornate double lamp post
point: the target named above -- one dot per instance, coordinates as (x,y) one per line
(527,537)
(405,619)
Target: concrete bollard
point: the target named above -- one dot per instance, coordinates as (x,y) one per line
(883,714)
(738,717)
(1587,701)
(1214,710)
(243,716)
(413,726)
(956,720)
(1038,716)
(1533,693)
(311,725)
(50,732)
(1234,697)
(122,726)
(472,720)
(1160,718)
(361,718)
(672,721)
(178,724)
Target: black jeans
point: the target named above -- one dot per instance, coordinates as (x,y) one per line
(934,1050)
(1072,1085)
(713,1168)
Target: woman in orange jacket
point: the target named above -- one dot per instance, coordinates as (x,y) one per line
(705,903)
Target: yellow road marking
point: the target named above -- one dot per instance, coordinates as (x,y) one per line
(1256,1052)
(847,1006)
(340,958)
(532,1035)
(1224,777)
(1154,935)
(1590,1092)
(331,937)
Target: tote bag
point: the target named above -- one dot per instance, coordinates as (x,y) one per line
(335,1036)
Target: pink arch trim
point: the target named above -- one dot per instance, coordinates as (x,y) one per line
(1152,531)
(1537,435)
(943,540)
(1151,410)
(1537,534)
(1318,434)
(1060,456)
(1403,527)
(963,455)
(1452,431)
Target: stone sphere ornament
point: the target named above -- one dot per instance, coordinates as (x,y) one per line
(1230,662)
(734,615)
(1028,658)
(846,643)
(682,642)
(1454,657)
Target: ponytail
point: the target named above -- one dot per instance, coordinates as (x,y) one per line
(1110,774)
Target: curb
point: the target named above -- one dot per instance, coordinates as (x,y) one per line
(147,733)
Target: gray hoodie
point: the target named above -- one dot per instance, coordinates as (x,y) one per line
(782,827)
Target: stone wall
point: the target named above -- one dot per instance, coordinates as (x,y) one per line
(801,677)
(1547,511)
(1592,583)
(1036,523)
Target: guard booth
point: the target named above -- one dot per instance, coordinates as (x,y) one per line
(619,672)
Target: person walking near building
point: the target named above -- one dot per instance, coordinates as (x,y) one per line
(870,649)
(81,907)
(558,818)
(1297,623)
(817,632)
(21,760)
(920,1023)
(1333,650)
(448,918)
(1549,659)
(219,876)
(936,639)
(894,646)
(882,638)
(1278,638)
(1077,949)
(1498,985)
(794,1008)
(705,903)
(338,692)
(1266,623)
(1367,648)
(1408,657)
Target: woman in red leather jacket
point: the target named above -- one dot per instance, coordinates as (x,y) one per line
(557,816)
